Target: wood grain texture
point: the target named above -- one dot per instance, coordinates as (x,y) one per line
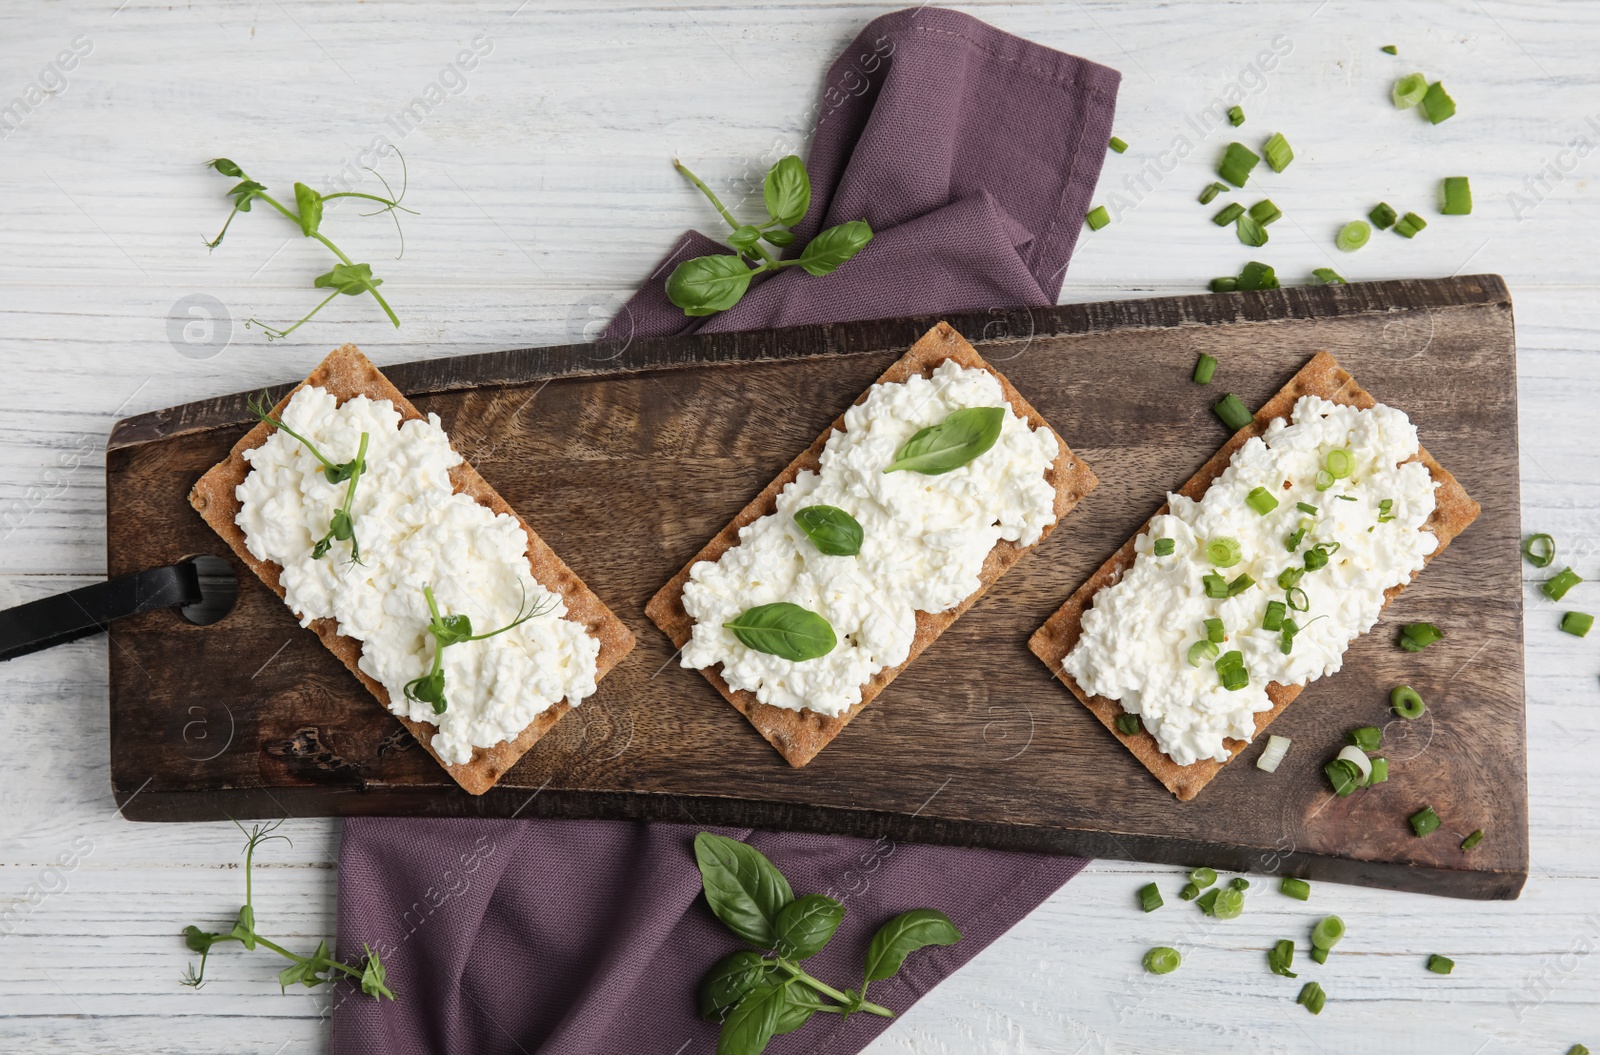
(676,433)
(799,735)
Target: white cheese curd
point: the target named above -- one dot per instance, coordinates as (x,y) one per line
(1136,637)
(414,531)
(925,539)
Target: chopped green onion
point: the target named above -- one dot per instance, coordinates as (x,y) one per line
(1239,883)
(1358,758)
(1316,558)
(1297,599)
(1201,652)
(1281,957)
(1327,933)
(1250,232)
(1319,955)
(1437,103)
(1312,996)
(1231,409)
(1380,771)
(1298,889)
(1307,508)
(1209,195)
(1277,747)
(1228,904)
(1577,1049)
(1279,153)
(1353,235)
(1383,216)
(1273,618)
(1225,284)
(1097,217)
(1472,840)
(1207,901)
(1203,877)
(1215,585)
(1406,701)
(1240,585)
(1128,724)
(1455,196)
(1257,275)
(1265,212)
(1343,775)
(1424,821)
(1440,964)
(1414,637)
(1292,543)
(1557,586)
(1205,369)
(1216,633)
(1233,678)
(1223,552)
(1290,627)
(1230,212)
(1389,49)
(1327,276)
(1150,897)
(1161,960)
(1163,547)
(1409,224)
(1118,145)
(1409,90)
(1539,550)
(1577,624)
(1289,578)
(1237,161)
(1235,116)
(1385,510)
(1368,737)
(1347,498)
(1340,462)
(1189,892)
(1260,499)
(1324,479)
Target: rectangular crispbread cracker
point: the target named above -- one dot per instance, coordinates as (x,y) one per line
(799,735)
(1322,376)
(346,373)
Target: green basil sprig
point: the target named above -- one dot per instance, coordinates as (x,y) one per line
(831,530)
(706,285)
(952,443)
(785,630)
(757,997)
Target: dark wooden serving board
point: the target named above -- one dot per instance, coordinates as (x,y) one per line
(626,458)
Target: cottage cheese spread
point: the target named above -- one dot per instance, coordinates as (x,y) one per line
(925,541)
(1137,635)
(414,532)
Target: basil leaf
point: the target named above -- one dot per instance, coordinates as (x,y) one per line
(781,239)
(806,924)
(797,1010)
(831,530)
(743,888)
(708,284)
(745,237)
(904,935)
(952,443)
(730,981)
(784,629)
(751,1024)
(832,247)
(787,191)
(309,202)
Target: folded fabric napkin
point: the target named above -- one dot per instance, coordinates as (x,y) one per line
(973,154)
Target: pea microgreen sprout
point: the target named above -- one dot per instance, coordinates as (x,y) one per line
(706,285)
(347,277)
(450,630)
(341,526)
(309,971)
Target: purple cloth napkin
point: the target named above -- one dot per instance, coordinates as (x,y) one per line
(973,154)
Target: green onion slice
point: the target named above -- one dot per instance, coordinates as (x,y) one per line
(1201,652)
(1272,619)
(1437,103)
(1216,586)
(1327,933)
(1265,212)
(1539,550)
(1389,49)
(1237,162)
(1409,90)
(1380,771)
(1223,552)
(1150,897)
(1097,217)
(1261,500)
(1216,633)
(1228,904)
(1207,901)
(1343,775)
(1385,510)
(1340,463)
(1257,275)
(1557,585)
(1327,276)
(1229,213)
(1225,284)
(1368,737)
(1307,508)
(1358,758)
(1235,116)
(1472,840)
(1311,994)
(1162,960)
(1128,724)
(1409,225)
(1231,409)
(1316,558)
(1578,624)
(1353,235)
(1425,821)
(1209,195)
(1298,889)
(1239,883)
(1240,585)
(1272,755)
(1324,480)
(1455,196)
(1163,547)
(1279,153)
(1319,955)
(1406,701)
(1205,369)
(1189,892)
(1297,599)
(1383,216)
(1203,877)
(1440,964)
(1289,578)
(1118,145)
(1414,637)
(1281,957)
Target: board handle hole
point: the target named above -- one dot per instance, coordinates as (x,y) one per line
(219,589)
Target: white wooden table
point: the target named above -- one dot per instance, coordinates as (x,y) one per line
(544,182)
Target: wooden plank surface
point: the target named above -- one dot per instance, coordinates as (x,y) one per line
(627,469)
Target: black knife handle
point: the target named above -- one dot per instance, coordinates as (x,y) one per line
(84,612)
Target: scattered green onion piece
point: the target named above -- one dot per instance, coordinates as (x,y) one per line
(1150,897)
(1472,840)
(1272,755)
(1281,957)
(1324,479)
(1319,955)
(1353,235)
(1118,145)
(1207,902)
(1260,499)
(1383,216)
(1228,904)
(1385,510)
(1298,889)
(1223,552)
(1328,276)
(1216,633)
(1163,547)
(1225,284)
(1577,1049)
(1440,964)
(1189,892)
(1250,232)
(1231,409)
(1209,195)
(1257,275)
(1279,153)
(1216,586)
(1368,737)
(1239,883)
(1097,217)
(1162,960)
(1424,821)
(1343,775)
(1312,996)
(1290,627)
(1346,498)
(1358,758)
(1240,585)
(1237,162)
(1327,933)
(1203,877)
(1128,724)
(1316,558)
(1557,585)
(1235,116)
(1307,508)
(1230,660)
(1409,224)
(1414,637)
(1437,103)
(1290,577)
(1577,624)
(1539,550)
(1201,652)
(1205,369)
(1389,49)
(1272,619)
(1409,90)
(1230,212)
(1406,701)
(1235,678)
(1297,599)
(1455,196)
(1265,212)
(1340,462)
(1380,771)
(1292,543)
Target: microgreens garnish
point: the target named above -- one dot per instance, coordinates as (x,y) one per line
(341,526)
(347,277)
(706,285)
(309,971)
(450,630)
